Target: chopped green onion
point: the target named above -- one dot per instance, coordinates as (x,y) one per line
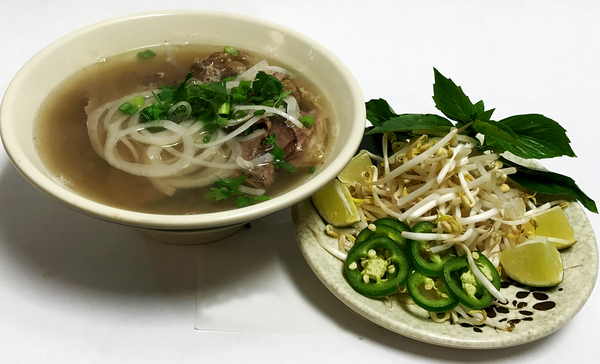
(225,108)
(259,112)
(148,53)
(127,108)
(206,139)
(307,121)
(137,101)
(312,169)
(230,50)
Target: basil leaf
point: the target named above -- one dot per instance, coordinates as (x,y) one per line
(549,183)
(379,111)
(371,142)
(494,131)
(540,137)
(409,122)
(485,115)
(452,101)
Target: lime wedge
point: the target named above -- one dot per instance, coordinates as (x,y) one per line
(553,225)
(335,205)
(535,263)
(356,168)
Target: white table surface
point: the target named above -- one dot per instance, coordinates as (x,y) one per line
(77,290)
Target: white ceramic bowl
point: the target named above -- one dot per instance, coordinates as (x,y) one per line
(81,48)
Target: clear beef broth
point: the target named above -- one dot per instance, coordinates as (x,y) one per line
(63,144)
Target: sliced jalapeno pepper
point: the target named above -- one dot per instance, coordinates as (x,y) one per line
(426,262)
(376,267)
(464,286)
(430,292)
(392,222)
(382,230)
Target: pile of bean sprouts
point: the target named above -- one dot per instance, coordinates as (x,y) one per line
(178,156)
(465,194)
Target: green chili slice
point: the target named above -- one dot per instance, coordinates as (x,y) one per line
(377,267)
(464,286)
(430,293)
(426,262)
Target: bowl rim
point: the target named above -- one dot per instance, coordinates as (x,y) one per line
(175,222)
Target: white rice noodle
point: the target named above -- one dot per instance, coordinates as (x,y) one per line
(231,135)
(150,170)
(272,110)
(292,106)
(238,121)
(251,191)
(230,85)
(171,58)
(254,135)
(250,73)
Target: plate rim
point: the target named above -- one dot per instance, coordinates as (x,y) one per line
(347,295)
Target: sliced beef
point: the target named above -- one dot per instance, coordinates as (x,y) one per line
(221,65)
(286,137)
(261,176)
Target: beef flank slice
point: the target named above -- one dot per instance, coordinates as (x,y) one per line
(294,143)
(219,66)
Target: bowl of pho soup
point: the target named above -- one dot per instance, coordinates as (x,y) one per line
(183,124)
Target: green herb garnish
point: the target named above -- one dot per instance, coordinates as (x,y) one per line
(227,187)
(268,90)
(307,121)
(311,170)
(230,50)
(529,136)
(278,154)
(248,200)
(148,53)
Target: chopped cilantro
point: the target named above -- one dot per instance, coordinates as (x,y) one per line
(312,169)
(270,139)
(228,187)
(278,154)
(206,139)
(249,200)
(259,112)
(225,188)
(268,90)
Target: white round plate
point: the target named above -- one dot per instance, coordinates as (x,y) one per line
(537,313)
